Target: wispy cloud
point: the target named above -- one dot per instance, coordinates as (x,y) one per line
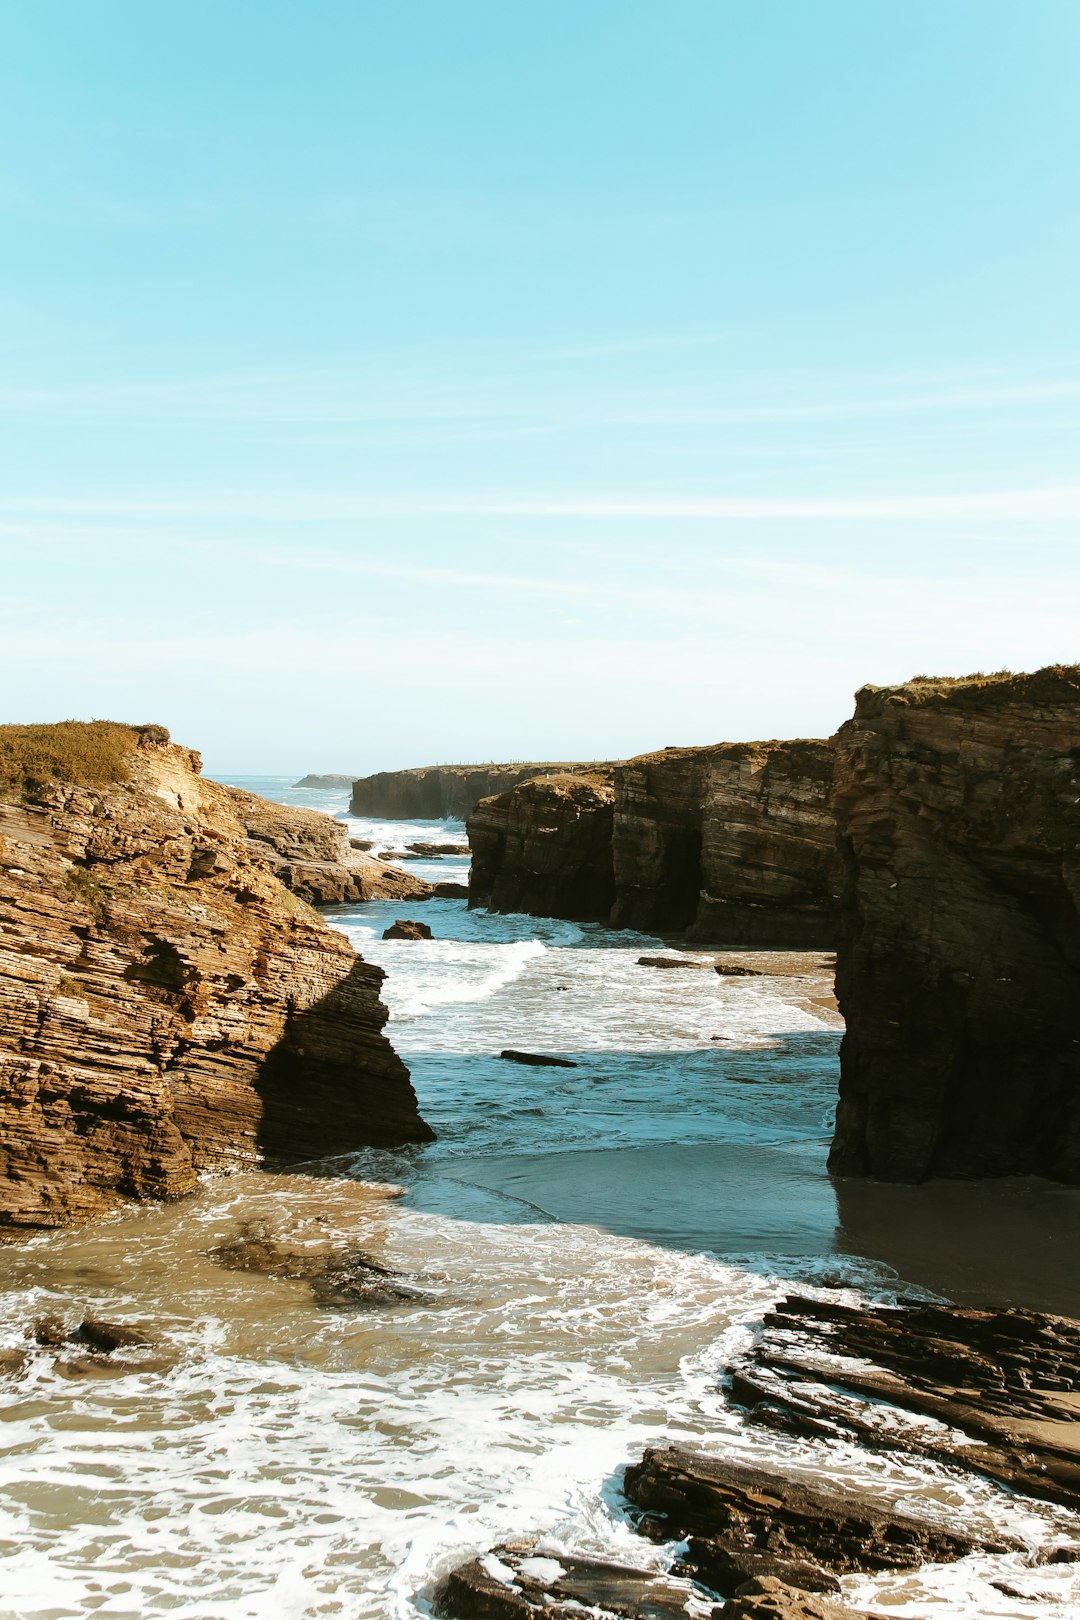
(1045,503)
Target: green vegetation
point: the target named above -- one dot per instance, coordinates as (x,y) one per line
(84,885)
(92,752)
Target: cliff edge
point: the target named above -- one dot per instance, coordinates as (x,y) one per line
(166,1005)
(434,792)
(733,845)
(958,970)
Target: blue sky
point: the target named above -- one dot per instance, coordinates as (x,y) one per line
(384,384)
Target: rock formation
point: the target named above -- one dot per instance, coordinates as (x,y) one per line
(958,969)
(166,1005)
(545,847)
(431,792)
(326,779)
(734,845)
(314,856)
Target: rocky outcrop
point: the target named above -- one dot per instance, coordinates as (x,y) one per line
(166,1005)
(1000,1386)
(314,856)
(705,1499)
(545,847)
(735,844)
(330,779)
(958,970)
(732,845)
(434,792)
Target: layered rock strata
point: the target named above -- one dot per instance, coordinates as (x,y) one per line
(434,792)
(958,970)
(546,848)
(314,856)
(1001,1387)
(735,843)
(732,845)
(166,1005)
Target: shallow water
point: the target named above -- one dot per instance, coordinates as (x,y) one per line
(590,1245)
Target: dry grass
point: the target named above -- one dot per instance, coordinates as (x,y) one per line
(93,752)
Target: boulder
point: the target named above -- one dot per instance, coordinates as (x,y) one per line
(537,1059)
(405,928)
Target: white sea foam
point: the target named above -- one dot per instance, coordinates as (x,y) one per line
(269,1457)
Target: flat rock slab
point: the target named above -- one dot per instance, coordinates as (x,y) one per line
(685,962)
(688,1494)
(1008,1379)
(517,1583)
(537,1059)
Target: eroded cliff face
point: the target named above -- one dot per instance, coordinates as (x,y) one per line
(733,845)
(431,792)
(311,854)
(959,958)
(166,1005)
(545,847)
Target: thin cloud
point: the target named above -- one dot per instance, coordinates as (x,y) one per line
(1046,503)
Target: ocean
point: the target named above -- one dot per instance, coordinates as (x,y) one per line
(587,1248)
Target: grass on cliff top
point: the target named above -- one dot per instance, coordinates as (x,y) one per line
(90,752)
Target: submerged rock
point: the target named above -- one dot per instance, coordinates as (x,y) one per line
(109,1336)
(339,1278)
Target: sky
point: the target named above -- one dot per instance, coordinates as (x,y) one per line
(386,385)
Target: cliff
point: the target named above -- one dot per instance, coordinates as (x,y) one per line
(326,779)
(733,845)
(958,968)
(311,854)
(432,792)
(545,848)
(166,1005)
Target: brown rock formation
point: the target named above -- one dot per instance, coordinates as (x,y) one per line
(958,971)
(314,856)
(687,1494)
(166,1006)
(733,844)
(431,792)
(1008,1380)
(545,847)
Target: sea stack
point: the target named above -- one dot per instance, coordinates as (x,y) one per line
(958,973)
(166,1004)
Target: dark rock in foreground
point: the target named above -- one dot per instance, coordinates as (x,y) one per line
(689,1494)
(1008,1380)
(958,972)
(517,1583)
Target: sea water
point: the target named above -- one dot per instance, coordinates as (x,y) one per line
(589,1247)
